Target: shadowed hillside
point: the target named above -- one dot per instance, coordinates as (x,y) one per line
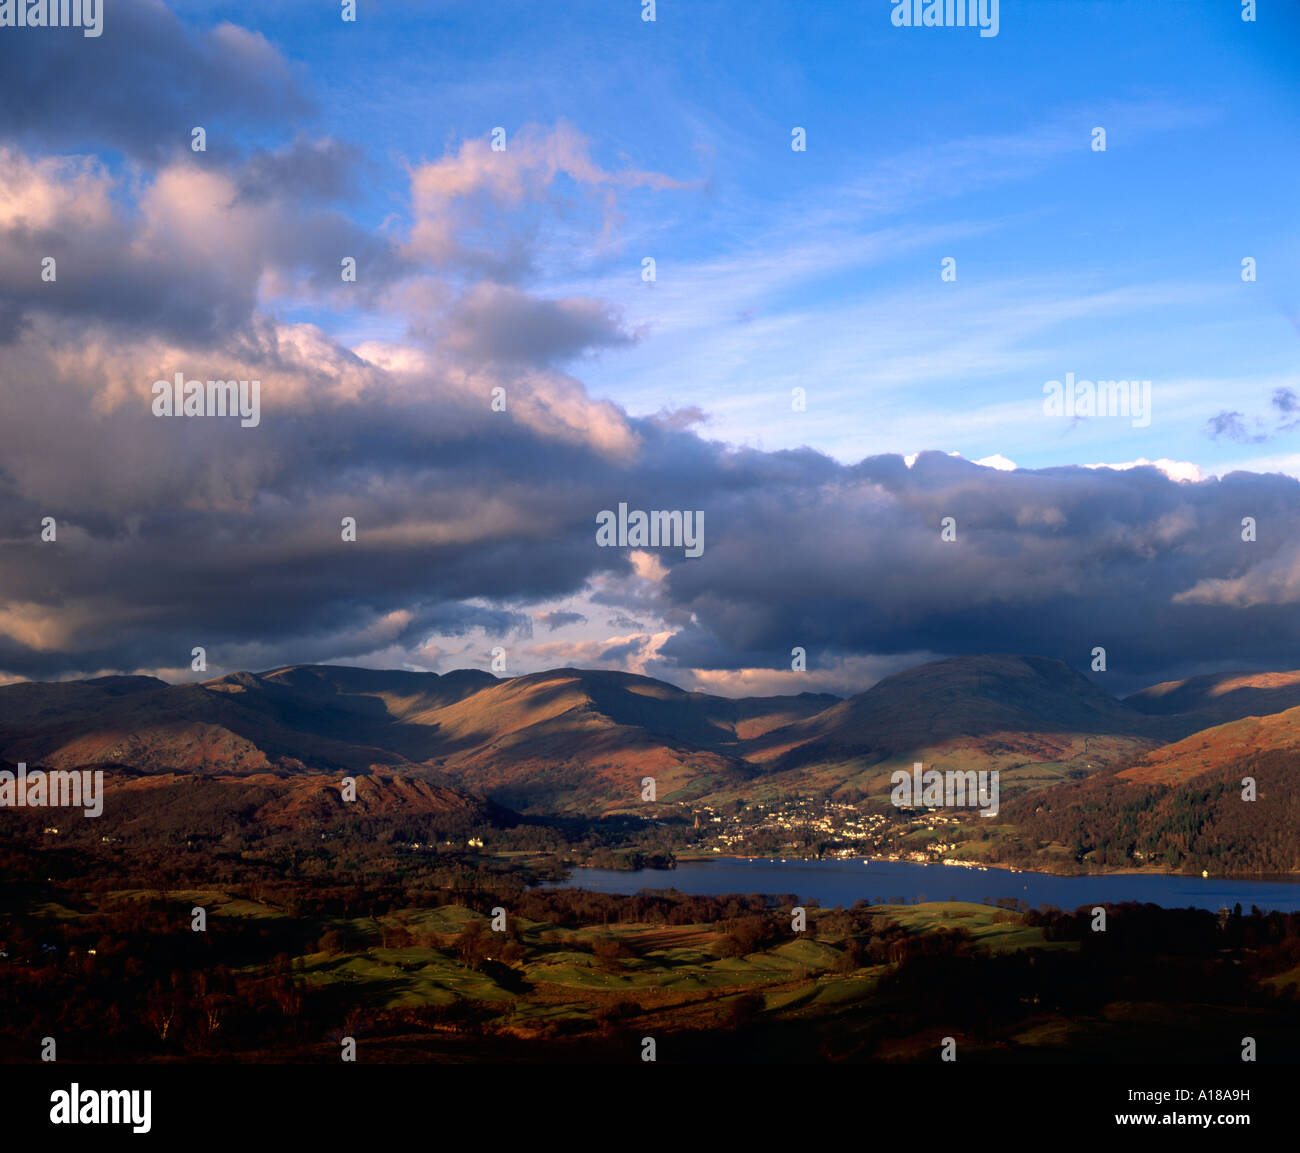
(1030,716)
(1221,696)
(580,741)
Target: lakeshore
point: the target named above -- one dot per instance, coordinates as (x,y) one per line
(844,881)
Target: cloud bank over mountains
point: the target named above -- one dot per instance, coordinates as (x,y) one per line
(476,520)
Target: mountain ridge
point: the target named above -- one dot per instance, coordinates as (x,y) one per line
(574,739)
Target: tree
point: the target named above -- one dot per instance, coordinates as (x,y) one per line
(470,945)
(743,1009)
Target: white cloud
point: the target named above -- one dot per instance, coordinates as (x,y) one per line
(1173,469)
(998,461)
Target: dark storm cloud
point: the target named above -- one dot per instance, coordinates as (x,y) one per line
(623,651)
(135,269)
(1054,561)
(183,248)
(305,170)
(681,418)
(142,85)
(625,623)
(174,534)
(498,323)
(558,619)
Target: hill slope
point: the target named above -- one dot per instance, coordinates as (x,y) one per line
(582,740)
(1221,697)
(566,739)
(1220,747)
(1033,718)
(1184,805)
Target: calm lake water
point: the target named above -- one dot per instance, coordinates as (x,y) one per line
(841,882)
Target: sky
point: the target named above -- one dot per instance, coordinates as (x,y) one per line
(921,392)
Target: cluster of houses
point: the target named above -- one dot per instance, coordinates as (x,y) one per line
(832,821)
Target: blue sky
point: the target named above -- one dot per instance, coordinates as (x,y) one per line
(822,268)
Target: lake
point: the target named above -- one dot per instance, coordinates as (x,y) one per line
(841,882)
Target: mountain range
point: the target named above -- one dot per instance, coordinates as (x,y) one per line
(581,741)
